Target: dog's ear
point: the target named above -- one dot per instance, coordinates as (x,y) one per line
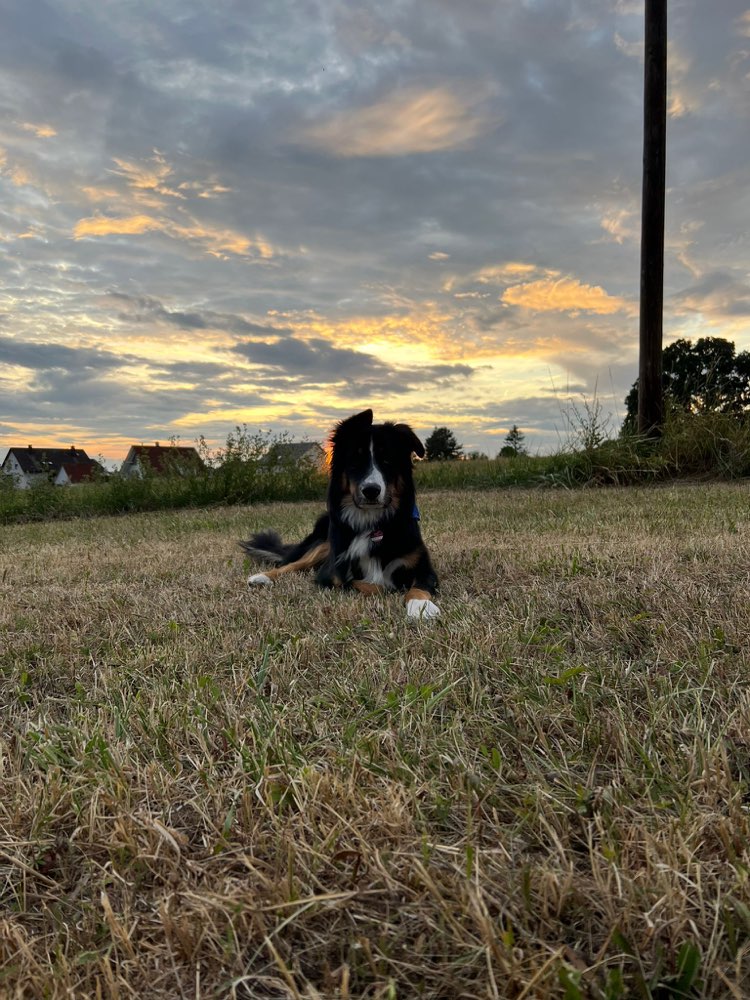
(358,423)
(412,441)
(365,417)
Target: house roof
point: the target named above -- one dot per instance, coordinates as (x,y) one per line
(42,461)
(81,471)
(161,457)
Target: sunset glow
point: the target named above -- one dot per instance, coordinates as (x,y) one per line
(275,218)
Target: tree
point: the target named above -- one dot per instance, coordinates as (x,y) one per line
(514,445)
(702,377)
(442,446)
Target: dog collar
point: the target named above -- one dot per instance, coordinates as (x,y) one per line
(376,536)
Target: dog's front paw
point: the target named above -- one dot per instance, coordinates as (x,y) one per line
(259,580)
(421,610)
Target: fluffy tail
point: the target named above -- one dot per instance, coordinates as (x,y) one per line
(266,545)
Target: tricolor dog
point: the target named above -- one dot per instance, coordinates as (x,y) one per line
(369,539)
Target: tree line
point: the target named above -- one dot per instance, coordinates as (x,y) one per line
(705,376)
(441,446)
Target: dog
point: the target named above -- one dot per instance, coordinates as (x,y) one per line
(369,538)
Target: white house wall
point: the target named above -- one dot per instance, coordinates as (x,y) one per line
(12,468)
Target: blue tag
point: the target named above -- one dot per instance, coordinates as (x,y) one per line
(415,512)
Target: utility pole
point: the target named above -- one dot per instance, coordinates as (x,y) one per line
(650,393)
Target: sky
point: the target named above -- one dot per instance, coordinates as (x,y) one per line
(275,213)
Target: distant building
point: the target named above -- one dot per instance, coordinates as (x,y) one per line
(72,474)
(61,466)
(293,453)
(161,460)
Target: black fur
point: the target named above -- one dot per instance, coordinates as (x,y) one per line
(370,542)
(268,546)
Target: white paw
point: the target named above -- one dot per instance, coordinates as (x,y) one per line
(421,610)
(259,580)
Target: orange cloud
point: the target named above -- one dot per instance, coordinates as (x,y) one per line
(19,176)
(426,331)
(211,189)
(102,225)
(622,225)
(678,106)
(40,131)
(412,121)
(218,242)
(100,194)
(222,241)
(149,178)
(143,207)
(491,274)
(564,295)
(245,414)
(502,272)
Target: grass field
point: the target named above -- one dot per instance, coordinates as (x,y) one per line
(207,792)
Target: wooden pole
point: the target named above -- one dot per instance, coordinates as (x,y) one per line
(650,393)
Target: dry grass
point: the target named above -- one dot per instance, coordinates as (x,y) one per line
(208,792)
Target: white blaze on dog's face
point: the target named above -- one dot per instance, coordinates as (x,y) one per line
(371,489)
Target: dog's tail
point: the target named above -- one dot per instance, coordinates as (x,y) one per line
(268,546)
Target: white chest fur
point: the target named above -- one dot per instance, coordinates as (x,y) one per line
(372,569)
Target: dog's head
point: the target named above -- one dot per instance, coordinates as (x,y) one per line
(371,468)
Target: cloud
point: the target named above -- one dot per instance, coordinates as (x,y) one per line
(102,225)
(564,295)
(149,178)
(40,131)
(622,224)
(218,242)
(149,310)
(717,296)
(45,356)
(511,270)
(403,123)
(318,360)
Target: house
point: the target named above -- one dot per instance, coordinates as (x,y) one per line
(161,460)
(288,454)
(72,474)
(28,466)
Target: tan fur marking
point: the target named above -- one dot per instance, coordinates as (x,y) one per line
(310,560)
(366,588)
(415,594)
(411,559)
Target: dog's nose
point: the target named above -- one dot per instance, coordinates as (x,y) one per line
(371,493)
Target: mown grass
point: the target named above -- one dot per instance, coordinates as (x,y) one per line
(212,792)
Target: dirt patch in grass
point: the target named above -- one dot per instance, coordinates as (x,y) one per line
(212,792)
